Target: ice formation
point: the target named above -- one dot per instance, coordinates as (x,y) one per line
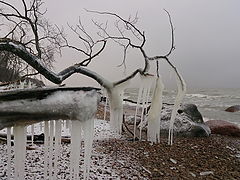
(79,106)
(75,149)
(154,115)
(143,98)
(181,86)
(115,96)
(9,153)
(19,151)
(88,127)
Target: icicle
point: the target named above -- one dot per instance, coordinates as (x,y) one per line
(105,108)
(116,106)
(51,133)
(32,132)
(9,150)
(136,112)
(75,149)
(19,151)
(88,140)
(41,126)
(21,85)
(29,84)
(58,129)
(154,116)
(143,97)
(181,86)
(46,148)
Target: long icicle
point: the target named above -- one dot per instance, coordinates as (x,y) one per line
(154,116)
(136,112)
(181,86)
(146,83)
(9,151)
(115,95)
(105,108)
(58,129)
(75,149)
(46,148)
(88,140)
(51,150)
(19,151)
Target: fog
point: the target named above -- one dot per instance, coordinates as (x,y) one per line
(207,38)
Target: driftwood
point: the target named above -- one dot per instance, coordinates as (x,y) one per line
(28,106)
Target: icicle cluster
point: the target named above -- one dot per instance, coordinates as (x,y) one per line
(52,141)
(115,96)
(85,106)
(154,115)
(143,99)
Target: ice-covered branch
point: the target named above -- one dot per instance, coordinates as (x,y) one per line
(19,50)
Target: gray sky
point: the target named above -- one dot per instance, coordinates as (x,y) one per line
(207,38)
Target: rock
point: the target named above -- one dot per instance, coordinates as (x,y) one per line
(234,108)
(223,128)
(192,111)
(188,122)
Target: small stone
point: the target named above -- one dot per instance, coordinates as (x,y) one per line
(205,173)
(192,174)
(173,161)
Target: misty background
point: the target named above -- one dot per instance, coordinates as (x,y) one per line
(207,39)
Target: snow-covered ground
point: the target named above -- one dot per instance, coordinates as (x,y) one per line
(101,162)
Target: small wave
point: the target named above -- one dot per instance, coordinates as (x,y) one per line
(198,95)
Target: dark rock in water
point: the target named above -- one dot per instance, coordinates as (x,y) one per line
(234,108)
(223,128)
(192,111)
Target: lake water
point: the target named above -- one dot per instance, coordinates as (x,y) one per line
(211,102)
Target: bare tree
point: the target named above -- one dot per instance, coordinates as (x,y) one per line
(30,28)
(128,36)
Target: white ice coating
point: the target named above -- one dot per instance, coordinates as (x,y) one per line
(181,86)
(143,97)
(19,151)
(77,105)
(154,115)
(115,96)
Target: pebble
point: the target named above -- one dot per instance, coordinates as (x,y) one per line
(173,161)
(206,173)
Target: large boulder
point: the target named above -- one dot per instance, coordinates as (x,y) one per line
(234,108)
(188,122)
(223,128)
